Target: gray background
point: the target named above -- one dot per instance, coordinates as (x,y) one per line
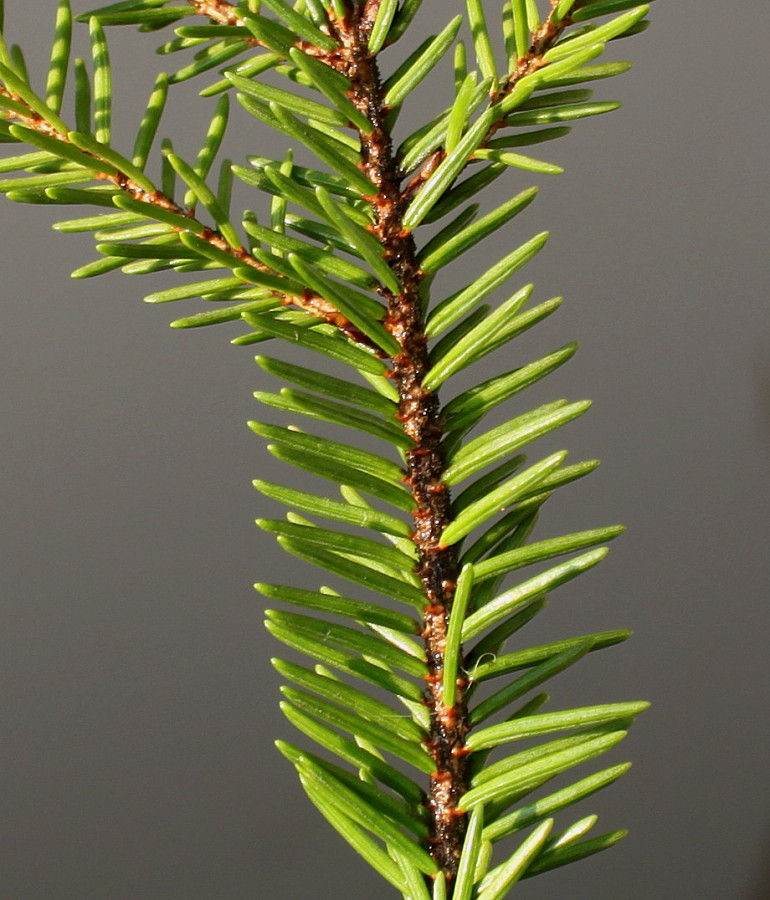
(138,704)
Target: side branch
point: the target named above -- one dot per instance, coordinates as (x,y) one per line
(218,11)
(308,301)
(224,13)
(542,41)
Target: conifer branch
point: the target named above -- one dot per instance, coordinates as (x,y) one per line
(309,301)
(351,238)
(218,11)
(541,42)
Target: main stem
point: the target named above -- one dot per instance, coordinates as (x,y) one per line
(419,411)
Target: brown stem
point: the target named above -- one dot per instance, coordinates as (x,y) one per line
(217,10)
(224,13)
(419,412)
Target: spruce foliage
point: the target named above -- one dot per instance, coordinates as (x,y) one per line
(414,689)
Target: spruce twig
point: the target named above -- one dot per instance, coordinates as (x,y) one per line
(370,310)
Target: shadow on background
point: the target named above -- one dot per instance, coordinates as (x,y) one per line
(759,886)
(761,375)
(760,890)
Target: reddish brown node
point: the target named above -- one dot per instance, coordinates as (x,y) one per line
(441,777)
(459,752)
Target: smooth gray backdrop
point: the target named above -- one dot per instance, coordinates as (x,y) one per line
(138,703)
